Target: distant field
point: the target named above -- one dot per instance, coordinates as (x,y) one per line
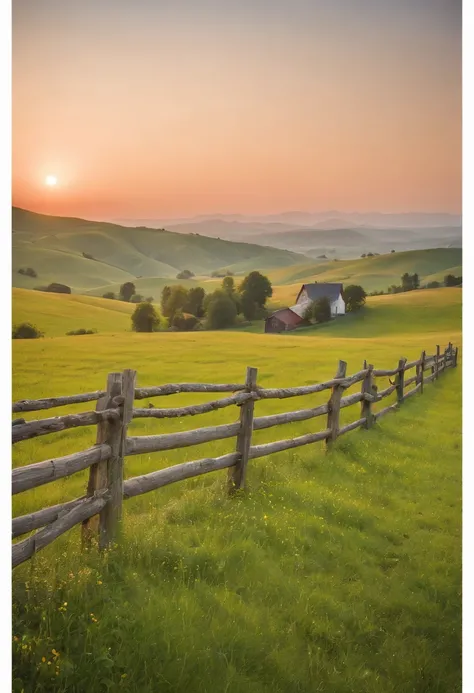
(337,572)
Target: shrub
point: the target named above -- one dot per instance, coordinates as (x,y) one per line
(433,285)
(137,298)
(145,318)
(319,311)
(109,294)
(185,274)
(26,330)
(88,256)
(81,330)
(184,322)
(56,288)
(27,271)
(150,299)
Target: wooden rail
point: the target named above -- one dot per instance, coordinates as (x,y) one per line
(100,510)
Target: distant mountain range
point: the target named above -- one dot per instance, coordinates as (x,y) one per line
(333,233)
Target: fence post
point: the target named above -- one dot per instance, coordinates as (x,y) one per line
(421,370)
(237,473)
(113,510)
(98,476)
(369,389)
(401,380)
(455,360)
(437,363)
(334,405)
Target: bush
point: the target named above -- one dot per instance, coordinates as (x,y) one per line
(56,288)
(27,271)
(81,330)
(150,299)
(184,322)
(88,256)
(137,298)
(109,294)
(185,274)
(433,285)
(145,318)
(319,311)
(26,331)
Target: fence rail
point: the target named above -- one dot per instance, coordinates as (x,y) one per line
(100,510)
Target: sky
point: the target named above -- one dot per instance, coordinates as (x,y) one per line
(168,108)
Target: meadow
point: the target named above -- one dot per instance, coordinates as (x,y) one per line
(334,572)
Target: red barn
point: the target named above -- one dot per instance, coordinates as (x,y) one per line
(282,321)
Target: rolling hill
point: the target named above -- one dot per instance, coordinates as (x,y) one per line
(54,247)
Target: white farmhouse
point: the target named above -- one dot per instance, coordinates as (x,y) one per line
(312,292)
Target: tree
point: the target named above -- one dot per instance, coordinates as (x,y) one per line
(109,294)
(416,281)
(392,251)
(145,318)
(126,291)
(177,299)
(228,285)
(322,310)
(433,285)
(27,271)
(364,255)
(221,311)
(195,301)
(354,297)
(185,274)
(137,298)
(165,294)
(248,306)
(255,288)
(451,280)
(407,282)
(150,299)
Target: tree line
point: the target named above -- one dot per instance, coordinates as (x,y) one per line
(411,282)
(191,309)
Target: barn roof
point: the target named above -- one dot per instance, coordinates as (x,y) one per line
(287,316)
(300,308)
(315,291)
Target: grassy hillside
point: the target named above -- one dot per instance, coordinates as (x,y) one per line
(373,273)
(54,247)
(337,572)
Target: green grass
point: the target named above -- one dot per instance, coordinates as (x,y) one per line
(337,572)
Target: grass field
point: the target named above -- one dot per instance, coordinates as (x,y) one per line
(337,572)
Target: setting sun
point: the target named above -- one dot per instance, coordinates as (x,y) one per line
(51,180)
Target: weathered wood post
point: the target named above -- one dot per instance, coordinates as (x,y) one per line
(437,362)
(334,406)
(401,380)
(367,389)
(115,466)
(238,473)
(421,370)
(98,476)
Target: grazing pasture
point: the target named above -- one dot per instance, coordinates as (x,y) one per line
(335,572)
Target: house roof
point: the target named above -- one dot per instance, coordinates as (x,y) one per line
(315,291)
(286,316)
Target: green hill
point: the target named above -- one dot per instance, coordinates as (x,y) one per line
(54,247)
(375,273)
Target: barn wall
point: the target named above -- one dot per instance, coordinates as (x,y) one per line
(338,307)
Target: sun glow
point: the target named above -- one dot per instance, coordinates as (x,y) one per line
(51,180)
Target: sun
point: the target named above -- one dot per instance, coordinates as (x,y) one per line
(51,181)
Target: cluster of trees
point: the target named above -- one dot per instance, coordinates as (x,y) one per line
(452,280)
(55,288)
(191,309)
(128,294)
(220,274)
(185,274)
(409,282)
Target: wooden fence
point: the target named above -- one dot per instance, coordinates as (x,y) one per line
(100,510)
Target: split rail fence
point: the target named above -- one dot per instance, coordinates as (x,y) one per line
(100,510)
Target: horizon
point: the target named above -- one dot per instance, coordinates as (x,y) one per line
(155,110)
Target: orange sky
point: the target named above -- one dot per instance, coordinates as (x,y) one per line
(153,109)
